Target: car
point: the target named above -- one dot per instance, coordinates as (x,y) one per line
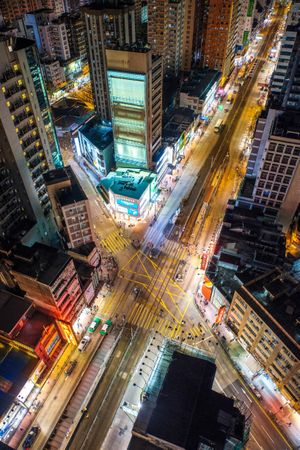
(105,328)
(31,437)
(84,343)
(154,252)
(70,367)
(255,390)
(136,292)
(94,324)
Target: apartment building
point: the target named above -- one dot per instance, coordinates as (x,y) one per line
(106,26)
(166,26)
(13,9)
(28,141)
(135,95)
(264,314)
(273,174)
(245,22)
(49,279)
(54,73)
(70,206)
(285,84)
(219,35)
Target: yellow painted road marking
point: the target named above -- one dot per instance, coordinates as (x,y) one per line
(114,242)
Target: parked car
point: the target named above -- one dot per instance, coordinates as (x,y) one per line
(84,343)
(31,437)
(94,324)
(70,367)
(105,329)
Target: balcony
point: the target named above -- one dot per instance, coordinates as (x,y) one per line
(36,173)
(15,89)
(21,117)
(18,104)
(36,162)
(9,75)
(27,142)
(26,129)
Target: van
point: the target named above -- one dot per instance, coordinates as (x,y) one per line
(84,343)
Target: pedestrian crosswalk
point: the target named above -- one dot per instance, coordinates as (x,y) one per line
(145,316)
(115,242)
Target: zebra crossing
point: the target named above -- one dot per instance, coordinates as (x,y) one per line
(114,242)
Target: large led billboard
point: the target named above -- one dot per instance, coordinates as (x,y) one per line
(127,92)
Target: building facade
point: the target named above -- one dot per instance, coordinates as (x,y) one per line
(219,35)
(263,314)
(13,9)
(245,22)
(49,279)
(166,26)
(70,206)
(135,95)
(96,146)
(273,166)
(29,139)
(105,27)
(286,76)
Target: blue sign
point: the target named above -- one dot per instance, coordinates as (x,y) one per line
(127,204)
(133,213)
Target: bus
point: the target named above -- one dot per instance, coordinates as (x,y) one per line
(219,126)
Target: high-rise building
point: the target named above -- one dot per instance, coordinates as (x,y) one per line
(273,173)
(219,35)
(166,24)
(135,94)
(49,278)
(28,139)
(70,207)
(245,22)
(286,77)
(108,23)
(264,315)
(13,9)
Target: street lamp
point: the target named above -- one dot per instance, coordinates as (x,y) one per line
(147,357)
(144,364)
(136,385)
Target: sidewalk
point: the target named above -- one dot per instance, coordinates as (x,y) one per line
(260,382)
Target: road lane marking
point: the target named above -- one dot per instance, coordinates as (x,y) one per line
(267,433)
(259,446)
(246,395)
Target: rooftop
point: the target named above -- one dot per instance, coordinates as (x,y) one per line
(182,385)
(70,194)
(40,262)
(287,125)
(34,329)
(109,5)
(176,123)
(200,82)
(248,239)
(277,294)
(130,183)
(12,309)
(98,132)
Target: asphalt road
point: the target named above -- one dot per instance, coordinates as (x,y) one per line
(92,429)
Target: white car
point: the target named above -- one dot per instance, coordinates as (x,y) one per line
(84,343)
